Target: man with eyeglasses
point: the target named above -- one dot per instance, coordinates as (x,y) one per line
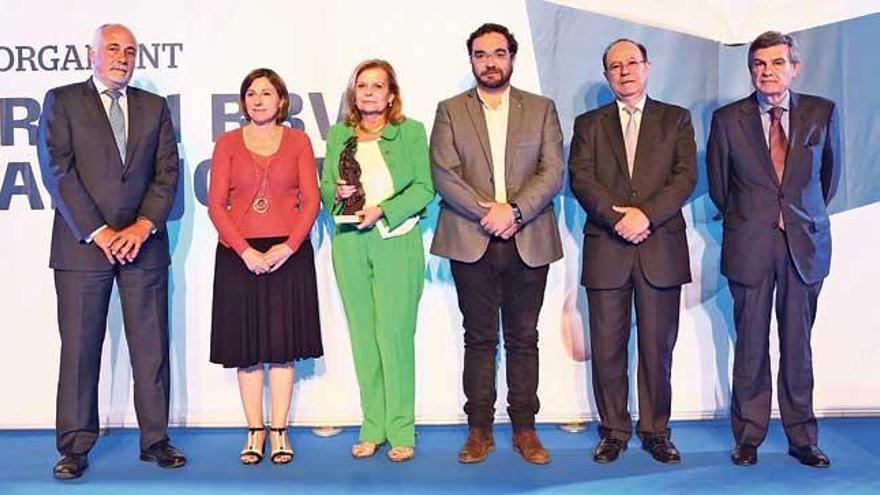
(774,166)
(496,160)
(632,166)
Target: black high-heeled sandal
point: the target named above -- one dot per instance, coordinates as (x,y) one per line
(283,449)
(252,453)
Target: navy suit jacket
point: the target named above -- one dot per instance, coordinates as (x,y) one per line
(92,186)
(744,186)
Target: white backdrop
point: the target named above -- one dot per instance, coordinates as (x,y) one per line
(314,46)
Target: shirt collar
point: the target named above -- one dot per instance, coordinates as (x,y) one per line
(100,87)
(765,105)
(505,99)
(640,105)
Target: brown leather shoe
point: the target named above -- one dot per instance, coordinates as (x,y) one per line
(528,445)
(479,443)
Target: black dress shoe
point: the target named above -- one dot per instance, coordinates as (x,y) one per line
(608,450)
(744,455)
(71,467)
(662,449)
(810,456)
(164,454)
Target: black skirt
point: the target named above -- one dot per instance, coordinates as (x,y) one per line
(270,318)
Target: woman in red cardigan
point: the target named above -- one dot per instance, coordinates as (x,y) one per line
(263,200)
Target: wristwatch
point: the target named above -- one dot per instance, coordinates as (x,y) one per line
(517,214)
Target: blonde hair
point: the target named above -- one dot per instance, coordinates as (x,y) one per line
(393,114)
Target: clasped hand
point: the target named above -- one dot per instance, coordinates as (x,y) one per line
(123,246)
(634,226)
(259,262)
(499,220)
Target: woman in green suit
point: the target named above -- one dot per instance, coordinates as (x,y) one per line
(379,259)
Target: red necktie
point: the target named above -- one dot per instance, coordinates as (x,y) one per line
(778,142)
(778,148)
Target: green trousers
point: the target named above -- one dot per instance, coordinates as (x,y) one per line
(381,281)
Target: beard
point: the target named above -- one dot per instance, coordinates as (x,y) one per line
(484,81)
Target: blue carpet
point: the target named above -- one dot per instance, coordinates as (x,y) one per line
(324,465)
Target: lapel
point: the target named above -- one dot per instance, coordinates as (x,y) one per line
(135,125)
(515,117)
(478,119)
(611,125)
(101,124)
(386,144)
(797,126)
(750,120)
(649,130)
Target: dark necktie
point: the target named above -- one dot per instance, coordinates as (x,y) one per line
(778,148)
(778,142)
(117,120)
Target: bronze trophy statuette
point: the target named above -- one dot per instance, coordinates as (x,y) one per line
(350,172)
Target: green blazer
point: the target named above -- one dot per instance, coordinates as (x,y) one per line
(405,149)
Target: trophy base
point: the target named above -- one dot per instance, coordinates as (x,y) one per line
(346,219)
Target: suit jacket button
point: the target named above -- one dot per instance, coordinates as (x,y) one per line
(781,195)
(634,193)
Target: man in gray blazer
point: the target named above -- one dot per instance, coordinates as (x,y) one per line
(632,167)
(109,159)
(496,160)
(774,165)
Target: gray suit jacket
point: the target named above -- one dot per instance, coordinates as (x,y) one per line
(461,166)
(92,186)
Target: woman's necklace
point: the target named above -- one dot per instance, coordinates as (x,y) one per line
(260,204)
(261,170)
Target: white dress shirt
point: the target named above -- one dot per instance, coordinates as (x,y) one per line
(496,124)
(379,186)
(624,115)
(107,101)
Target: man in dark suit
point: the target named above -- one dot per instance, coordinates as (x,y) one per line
(632,166)
(773,167)
(109,158)
(496,160)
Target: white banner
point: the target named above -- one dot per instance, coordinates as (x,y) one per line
(197,55)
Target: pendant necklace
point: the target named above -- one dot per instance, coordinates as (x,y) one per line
(261,169)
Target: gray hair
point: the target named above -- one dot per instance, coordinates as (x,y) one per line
(98,36)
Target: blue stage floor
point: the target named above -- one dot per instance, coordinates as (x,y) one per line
(324,465)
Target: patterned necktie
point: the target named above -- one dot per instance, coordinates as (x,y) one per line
(631,138)
(117,120)
(778,142)
(778,149)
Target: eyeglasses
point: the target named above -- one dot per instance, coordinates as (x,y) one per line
(616,68)
(482,57)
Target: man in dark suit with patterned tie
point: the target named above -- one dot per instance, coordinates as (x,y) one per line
(632,166)
(109,158)
(774,166)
